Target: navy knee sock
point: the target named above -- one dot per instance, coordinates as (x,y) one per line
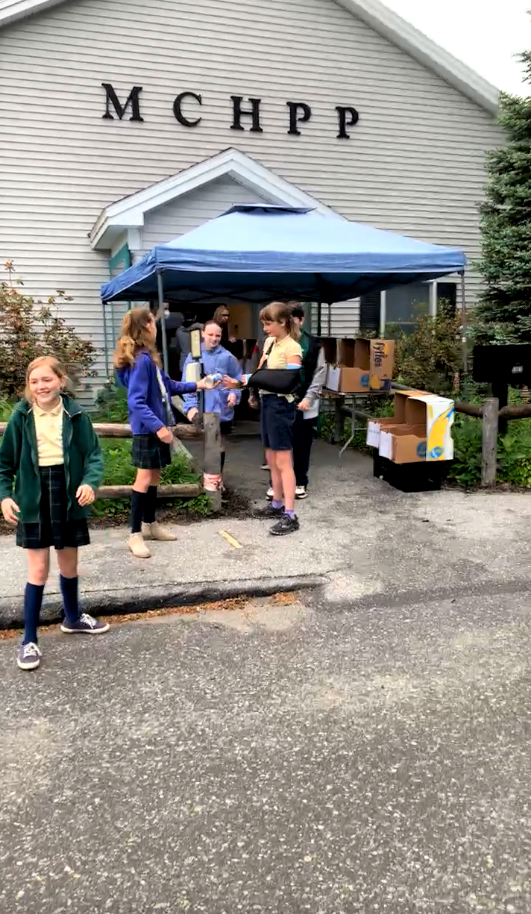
(222,460)
(69,590)
(150,505)
(138,501)
(32,610)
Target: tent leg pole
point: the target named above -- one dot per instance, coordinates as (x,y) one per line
(160,288)
(105,337)
(319,315)
(463,324)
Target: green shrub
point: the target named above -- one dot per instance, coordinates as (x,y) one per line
(120,472)
(465,469)
(431,357)
(31,328)
(514,453)
(6,408)
(111,405)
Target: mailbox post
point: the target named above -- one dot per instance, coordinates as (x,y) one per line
(503,367)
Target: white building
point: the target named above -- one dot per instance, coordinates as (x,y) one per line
(124,123)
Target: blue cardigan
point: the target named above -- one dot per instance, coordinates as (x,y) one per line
(147,412)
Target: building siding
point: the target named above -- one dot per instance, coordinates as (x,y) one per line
(414,163)
(191,210)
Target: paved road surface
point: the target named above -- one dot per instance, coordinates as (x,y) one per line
(326,758)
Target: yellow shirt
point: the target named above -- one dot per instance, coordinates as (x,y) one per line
(49,429)
(280,354)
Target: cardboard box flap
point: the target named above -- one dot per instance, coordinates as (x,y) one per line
(362,354)
(401,398)
(329,345)
(346,353)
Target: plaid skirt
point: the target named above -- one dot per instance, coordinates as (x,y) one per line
(54,530)
(150,453)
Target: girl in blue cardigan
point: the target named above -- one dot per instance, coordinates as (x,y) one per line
(149,393)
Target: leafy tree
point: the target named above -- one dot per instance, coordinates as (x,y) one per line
(504,311)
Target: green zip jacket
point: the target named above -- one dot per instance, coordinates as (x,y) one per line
(19,460)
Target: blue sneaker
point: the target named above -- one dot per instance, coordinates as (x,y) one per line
(29,656)
(85,625)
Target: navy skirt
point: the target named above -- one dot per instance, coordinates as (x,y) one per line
(54,530)
(150,453)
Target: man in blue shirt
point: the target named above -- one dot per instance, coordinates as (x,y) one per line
(215,359)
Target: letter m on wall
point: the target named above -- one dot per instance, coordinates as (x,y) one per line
(132,102)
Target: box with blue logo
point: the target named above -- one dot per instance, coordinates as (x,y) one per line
(362,366)
(425,433)
(403,444)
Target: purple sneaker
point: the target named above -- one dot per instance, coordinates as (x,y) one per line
(29,656)
(85,625)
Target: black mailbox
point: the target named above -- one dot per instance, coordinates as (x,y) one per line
(508,365)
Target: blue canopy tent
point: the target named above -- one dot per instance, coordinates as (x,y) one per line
(259,252)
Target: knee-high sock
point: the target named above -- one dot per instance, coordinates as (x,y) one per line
(69,590)
(138,501)
(150,505)
(32,611)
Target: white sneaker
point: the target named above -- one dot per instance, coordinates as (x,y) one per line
(270,494)
(265,466)
(300,492)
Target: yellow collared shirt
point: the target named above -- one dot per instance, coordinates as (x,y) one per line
(49,429)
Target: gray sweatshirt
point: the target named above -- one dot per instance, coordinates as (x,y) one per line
(313,394)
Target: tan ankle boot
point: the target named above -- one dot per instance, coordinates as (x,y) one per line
(138,546)
(156,531)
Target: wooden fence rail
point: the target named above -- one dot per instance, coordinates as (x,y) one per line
(124,431)
(179,490)
(209,432)
(115,430)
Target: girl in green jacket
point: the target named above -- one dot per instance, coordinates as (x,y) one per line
(52,454)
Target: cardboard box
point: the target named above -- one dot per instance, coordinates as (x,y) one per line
(403,444)
(347,380)
(436,415)
(360,365)
(350,375)
(378,358)
(375,426)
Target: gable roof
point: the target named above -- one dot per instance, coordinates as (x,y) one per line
(130,212)
(374,14)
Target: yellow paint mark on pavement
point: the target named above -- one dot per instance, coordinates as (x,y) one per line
(230,539)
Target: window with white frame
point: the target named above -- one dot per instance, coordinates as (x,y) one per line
(399,308)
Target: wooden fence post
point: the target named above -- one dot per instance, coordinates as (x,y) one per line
(212,459)
(490,442)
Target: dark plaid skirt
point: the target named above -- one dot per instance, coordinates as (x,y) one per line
(150,453)
(54,530)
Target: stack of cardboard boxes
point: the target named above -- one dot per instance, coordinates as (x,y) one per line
(419,431)
(359,366)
